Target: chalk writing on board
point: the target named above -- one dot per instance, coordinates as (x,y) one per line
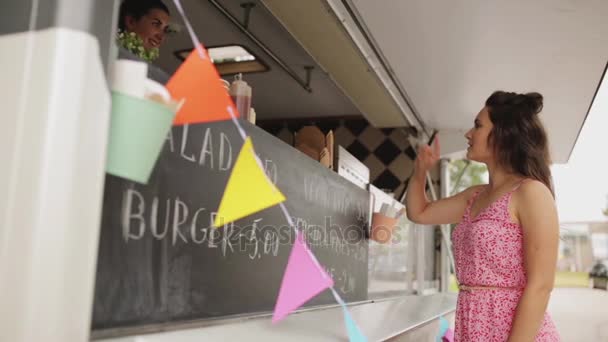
(182,224)
(213,150)
(332,237)
(333,196)
(174,219)
(270,168)
(345,282)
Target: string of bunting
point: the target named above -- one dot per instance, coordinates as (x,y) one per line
(304,277)
(445,333)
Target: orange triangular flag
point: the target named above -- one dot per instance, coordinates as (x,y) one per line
(248,191)
(197,82)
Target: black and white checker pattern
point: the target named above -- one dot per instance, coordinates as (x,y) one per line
(386,152)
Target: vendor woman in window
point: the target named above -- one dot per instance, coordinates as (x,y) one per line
(143,25)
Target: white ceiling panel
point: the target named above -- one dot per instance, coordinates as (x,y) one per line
(451,55)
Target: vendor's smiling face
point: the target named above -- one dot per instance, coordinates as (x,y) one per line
(151,27)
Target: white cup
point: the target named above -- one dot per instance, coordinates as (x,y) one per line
(129,77)
(154,89)
(225,84)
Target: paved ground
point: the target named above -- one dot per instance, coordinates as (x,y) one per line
(581,314)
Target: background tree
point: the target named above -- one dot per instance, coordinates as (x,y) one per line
(470,173)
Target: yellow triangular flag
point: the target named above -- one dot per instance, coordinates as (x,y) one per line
(248,190)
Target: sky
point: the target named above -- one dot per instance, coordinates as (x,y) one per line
(581,185)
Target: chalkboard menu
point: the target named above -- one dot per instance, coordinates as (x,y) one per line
(161,261)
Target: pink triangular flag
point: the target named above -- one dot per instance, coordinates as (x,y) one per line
(449,336)
(303,279)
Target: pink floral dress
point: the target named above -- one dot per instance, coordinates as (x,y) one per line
(488,251)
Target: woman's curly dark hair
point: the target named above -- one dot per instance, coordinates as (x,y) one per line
(518,137)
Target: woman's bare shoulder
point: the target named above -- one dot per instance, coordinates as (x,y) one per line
(531,194)
(532,189)
(535,208)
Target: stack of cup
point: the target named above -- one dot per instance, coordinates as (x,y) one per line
(142,114)
(385,222)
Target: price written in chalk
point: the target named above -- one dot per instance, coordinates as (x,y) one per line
(183,224)
(345,282)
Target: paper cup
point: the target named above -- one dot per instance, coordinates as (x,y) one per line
(155,89)
(138,130)
(128,77)
(382,227)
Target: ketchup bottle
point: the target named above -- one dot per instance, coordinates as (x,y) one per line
(240,92)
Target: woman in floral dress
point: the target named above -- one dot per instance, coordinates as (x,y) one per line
(505,245)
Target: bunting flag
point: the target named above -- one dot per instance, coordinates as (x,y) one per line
(449,336)
(444,325)
(303,279)
(197,82)
(248,191)
(354,333)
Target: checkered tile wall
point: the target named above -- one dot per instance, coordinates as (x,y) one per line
(386,152)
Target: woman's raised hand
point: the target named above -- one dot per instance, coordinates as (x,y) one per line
(427,156)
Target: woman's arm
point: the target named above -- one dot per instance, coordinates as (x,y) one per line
(418,208)
(537,215)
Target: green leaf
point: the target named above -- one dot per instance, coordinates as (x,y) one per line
(132,42)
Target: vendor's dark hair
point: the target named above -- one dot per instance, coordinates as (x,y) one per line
(518,136)
(137,9)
